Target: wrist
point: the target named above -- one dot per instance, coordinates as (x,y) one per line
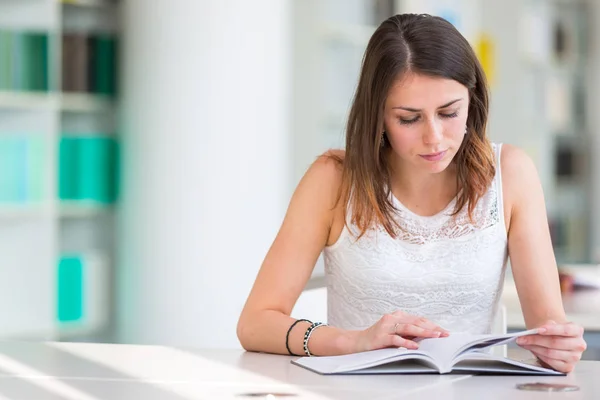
(347,342)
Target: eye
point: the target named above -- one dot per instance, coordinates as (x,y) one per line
(453,115)
(409,121)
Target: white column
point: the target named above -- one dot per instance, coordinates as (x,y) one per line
(206,174)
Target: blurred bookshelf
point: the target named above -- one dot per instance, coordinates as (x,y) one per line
(89,3)
(59,159)
(556,64)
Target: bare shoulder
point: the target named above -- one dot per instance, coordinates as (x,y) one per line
(519,174)
(322,180)
(325,174)
(517,166)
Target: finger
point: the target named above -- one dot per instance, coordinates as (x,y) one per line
(561,355)
(415,331)
(558,365)
(568,329)
(427,324)
(554,342)
(399,341)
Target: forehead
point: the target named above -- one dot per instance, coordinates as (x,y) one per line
(422,91)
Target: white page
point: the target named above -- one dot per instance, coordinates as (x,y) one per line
(349,362)
(445,349)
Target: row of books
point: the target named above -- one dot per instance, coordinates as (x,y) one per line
(23,61)
(89,63)
(88,168)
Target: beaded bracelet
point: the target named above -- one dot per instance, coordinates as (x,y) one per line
(287,336)
(309,332)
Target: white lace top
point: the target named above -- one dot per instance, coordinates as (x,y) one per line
(446,269)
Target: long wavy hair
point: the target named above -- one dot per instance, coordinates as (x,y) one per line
(421,44)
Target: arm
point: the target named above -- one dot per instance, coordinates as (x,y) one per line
(560,344)
(529,244)
(287,267)
(265,319)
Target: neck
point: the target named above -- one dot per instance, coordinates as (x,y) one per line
(426,191)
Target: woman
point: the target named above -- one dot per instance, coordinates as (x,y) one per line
(416,219)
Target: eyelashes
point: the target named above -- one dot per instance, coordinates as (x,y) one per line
(417,118)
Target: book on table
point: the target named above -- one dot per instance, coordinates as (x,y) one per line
(459,352)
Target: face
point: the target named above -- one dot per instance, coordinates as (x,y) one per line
(425,119)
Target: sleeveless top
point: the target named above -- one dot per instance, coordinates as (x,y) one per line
(447,269)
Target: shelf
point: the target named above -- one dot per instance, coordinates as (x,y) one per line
(26,100)
(83,102)
(88,3)
(69,102)
(19,211)
(82,209)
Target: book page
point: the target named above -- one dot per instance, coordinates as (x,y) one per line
(445,350)
(476,361)
(356,361)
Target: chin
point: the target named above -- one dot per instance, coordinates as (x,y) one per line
(438,167)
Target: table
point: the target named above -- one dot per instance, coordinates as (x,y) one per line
(87,371)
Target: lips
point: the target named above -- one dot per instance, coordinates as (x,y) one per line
(434,156)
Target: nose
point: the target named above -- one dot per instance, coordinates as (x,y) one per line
(433,133)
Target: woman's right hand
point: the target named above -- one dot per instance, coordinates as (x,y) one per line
(396,330)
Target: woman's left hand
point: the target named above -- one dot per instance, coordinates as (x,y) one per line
(560,346)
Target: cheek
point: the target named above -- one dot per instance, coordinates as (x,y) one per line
(403,139)
(455,128)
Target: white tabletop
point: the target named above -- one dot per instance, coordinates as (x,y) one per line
(58,371)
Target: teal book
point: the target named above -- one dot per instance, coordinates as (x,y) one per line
(97,163)
(68,168)
(70,290)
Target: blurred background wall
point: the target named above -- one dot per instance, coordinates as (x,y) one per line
(148,149)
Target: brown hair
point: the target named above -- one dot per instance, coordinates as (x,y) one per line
(427,45)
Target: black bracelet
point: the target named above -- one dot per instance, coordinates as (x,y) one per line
(287,336)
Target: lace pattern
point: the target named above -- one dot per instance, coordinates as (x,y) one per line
(449,270)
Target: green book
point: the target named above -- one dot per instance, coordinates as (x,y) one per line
(37,58)
(104,64)
(70,289)
(18,61)
(5,60)
(96,163)
(68,168)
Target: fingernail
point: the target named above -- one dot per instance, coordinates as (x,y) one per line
(542,330)
(521,340)
(437,334)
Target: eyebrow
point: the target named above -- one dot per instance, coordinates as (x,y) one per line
(417,110)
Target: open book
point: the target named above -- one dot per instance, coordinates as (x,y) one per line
(458,352)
